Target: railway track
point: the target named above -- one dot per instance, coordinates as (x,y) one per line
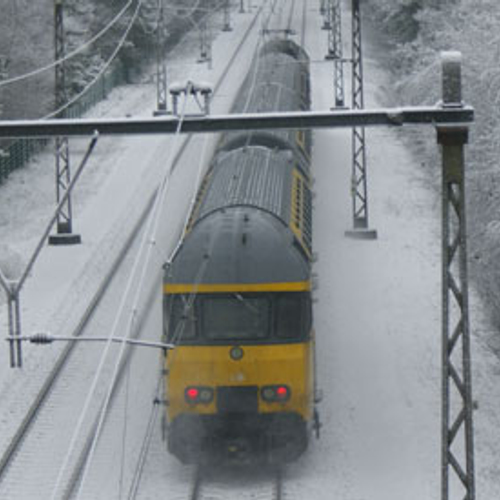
(237,483)
(46,393)
(44,400)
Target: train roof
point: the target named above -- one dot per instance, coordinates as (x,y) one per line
(285,46)
(263,178)
(239,246)
(254,176)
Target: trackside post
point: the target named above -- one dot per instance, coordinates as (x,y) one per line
(457,452)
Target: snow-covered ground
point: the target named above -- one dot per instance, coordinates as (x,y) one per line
(377,316)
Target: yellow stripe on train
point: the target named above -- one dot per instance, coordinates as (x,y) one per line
(181,288)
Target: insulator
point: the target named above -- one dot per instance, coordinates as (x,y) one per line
(41,338)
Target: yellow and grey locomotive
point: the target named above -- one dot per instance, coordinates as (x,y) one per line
(237,293)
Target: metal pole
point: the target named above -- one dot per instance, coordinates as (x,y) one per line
(359,190)
(242,6)
(327,12)
(17,324)
(205,43)
(10,305)
(227,17)
(457,447)
(161,64)
(335,52)
(64,234)
(13,289)
(322,7)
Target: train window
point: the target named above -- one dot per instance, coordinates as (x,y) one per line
(236,317)
(292,315)
(180,313)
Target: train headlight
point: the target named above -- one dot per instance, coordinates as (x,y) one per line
(195,395)
(275,393)
(236,353)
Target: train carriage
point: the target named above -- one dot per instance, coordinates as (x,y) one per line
(237,294)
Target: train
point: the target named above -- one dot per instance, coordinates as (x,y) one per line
(240,383)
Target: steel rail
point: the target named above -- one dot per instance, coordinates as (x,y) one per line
(278,489)
(61,362)
(74,480)
(275,484)
(196,488)
(48,385)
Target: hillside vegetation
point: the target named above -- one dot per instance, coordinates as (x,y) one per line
(27,43)
(419,30)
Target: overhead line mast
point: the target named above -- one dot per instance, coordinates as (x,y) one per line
(457,456)
(161,64)
(64,234)
(359,188)
(337,53)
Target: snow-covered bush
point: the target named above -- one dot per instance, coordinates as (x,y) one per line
(419,30)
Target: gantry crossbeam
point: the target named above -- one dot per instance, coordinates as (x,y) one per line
(433,115)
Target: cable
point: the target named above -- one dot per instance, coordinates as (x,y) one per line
(124,433)
(102,70)
(98,372)
(71,54)
(150,234)
(149,237)
(188,300)
(146,443)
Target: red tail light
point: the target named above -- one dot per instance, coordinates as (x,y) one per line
(275,393)
(192,394)
(195,395)
(282,392)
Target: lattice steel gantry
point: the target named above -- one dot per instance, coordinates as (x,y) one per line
(64,234)
(359,188)
(457,454)
(161,63)
(335,51)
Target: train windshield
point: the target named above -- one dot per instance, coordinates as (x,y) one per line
(236,317)
(180,318)
(292,315)
(264,317)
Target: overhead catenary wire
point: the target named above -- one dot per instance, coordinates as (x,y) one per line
(108,63)
(72,53)
(150,228)
(103,68)
(177,335)
(146,442)
(150,233)
(124,433)
(149,240)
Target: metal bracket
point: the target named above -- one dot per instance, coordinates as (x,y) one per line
(194,89)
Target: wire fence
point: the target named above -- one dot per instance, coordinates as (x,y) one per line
(16,154)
